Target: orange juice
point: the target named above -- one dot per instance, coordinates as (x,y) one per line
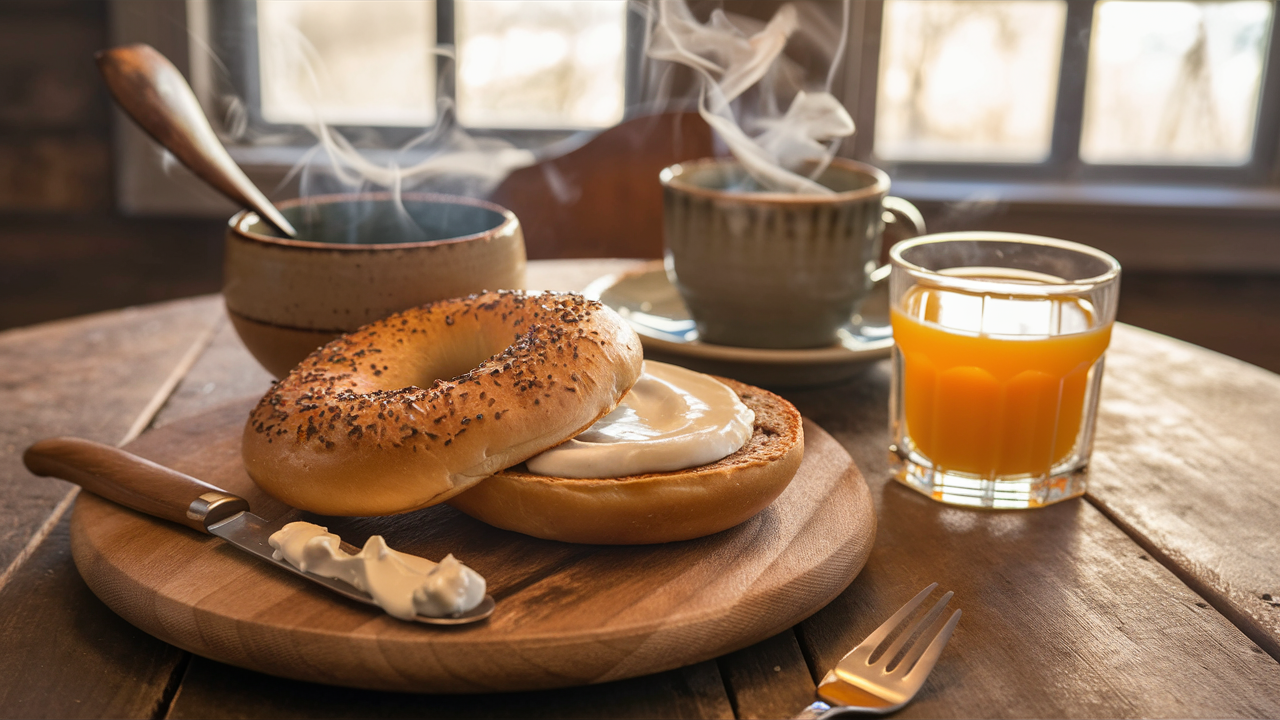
(995,386)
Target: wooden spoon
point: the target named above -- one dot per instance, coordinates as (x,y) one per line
(159,99)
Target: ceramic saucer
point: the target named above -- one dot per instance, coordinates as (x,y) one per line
(653,307)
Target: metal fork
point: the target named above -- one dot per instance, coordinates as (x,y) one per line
(859,684)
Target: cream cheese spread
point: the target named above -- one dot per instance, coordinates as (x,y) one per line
(404,585)
(671,419)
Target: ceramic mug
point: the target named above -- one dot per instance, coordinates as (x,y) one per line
(360,258)
(775,270)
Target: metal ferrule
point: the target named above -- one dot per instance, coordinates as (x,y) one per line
(214,507)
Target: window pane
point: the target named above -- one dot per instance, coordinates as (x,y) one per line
(966,80)
(354,62)
(1174,82)
(540,64)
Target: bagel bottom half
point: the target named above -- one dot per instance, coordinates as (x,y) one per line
(654,507)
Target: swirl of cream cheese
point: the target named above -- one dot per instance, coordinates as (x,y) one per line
(404,585)
(672,419)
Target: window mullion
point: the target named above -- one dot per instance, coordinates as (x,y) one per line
(446,69)
(865,21)
(240,29)
(1068,119)
(637,41)
(1266,133)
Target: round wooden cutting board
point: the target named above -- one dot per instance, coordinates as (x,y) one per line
(567,614)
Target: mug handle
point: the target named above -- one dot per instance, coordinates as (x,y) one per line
(897,210)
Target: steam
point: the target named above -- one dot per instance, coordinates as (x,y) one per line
(486,161)
(443,158)
(750,92)
(733,55)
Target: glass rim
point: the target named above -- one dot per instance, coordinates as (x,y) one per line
(1005,287)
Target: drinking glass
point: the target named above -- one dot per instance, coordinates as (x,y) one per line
(999,345)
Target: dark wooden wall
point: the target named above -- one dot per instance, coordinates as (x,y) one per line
(64,250)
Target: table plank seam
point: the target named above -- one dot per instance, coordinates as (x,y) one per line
(165,391)
(173,685)
(1240,620)
(729,695)
(140,423)
(38,536)
(164,704)
(815,673)
(735,703)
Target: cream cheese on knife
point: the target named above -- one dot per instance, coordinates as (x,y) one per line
(404,585)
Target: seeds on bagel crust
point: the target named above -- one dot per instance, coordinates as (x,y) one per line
(367,425)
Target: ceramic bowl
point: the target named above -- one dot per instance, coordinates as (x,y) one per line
(360,258)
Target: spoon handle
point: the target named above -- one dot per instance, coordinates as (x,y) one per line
(159,99)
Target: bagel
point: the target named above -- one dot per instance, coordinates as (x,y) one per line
(410,410)
(653,507)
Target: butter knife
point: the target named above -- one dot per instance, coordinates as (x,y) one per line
(156,490)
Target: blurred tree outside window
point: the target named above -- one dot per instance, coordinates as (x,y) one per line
(968,80)
(1134,88)
(1174,82)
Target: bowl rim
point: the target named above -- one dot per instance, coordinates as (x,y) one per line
(236,225)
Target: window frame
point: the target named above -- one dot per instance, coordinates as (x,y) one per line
(238,18)
(1063,163)
(1126,204)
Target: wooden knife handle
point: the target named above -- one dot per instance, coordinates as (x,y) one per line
(153,92)
(133,481)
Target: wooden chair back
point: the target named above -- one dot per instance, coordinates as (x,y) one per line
(603,199)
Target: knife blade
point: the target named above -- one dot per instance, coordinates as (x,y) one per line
(151,488)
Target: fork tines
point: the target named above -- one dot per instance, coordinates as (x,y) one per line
(915,647)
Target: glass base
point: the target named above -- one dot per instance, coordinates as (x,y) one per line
(952,488)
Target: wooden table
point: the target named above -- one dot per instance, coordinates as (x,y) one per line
(1158,595)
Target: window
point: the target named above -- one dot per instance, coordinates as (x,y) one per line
(1074,90)
(314,61)
(1077,106)
(400,66)
(541,65)
(527,73)
(1174,82)
(968,80)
